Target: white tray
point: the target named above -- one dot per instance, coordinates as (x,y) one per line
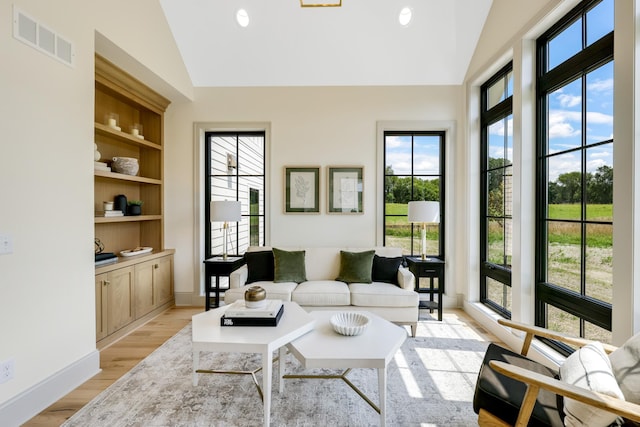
(131,252)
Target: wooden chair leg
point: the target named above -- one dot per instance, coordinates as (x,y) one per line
(528,403)
(487,419)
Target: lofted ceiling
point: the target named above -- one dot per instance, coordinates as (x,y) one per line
(360,43)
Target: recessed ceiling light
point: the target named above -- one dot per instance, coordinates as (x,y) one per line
(242,17)
(405,16)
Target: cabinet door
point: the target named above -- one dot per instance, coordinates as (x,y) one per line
(162,279)
(119,298)
(144,292)
(101,306)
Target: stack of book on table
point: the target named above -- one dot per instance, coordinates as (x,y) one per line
(109,214)
(101,166)
(239,315)
(106,258)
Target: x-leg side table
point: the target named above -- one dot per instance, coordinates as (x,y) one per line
(208,335)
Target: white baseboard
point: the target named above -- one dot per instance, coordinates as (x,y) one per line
(32,401)
(187,299)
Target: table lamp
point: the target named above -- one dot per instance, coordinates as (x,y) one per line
(225,211)
(424,212)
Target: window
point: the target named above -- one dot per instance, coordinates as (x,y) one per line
(575,173)
(413,170)
(235,170)
(496,191)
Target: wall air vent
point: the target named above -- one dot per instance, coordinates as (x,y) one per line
(31,32)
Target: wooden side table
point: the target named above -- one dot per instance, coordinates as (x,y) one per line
(430,268)
(218,267)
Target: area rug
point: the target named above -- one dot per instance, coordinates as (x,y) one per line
(430,383)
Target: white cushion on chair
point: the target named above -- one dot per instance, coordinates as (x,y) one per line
(625,362)
(589,368)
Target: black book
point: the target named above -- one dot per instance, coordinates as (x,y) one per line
(105,255)
(252,321)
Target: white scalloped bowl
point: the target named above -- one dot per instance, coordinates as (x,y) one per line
(349,323)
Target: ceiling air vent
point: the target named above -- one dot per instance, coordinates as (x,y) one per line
(36,35)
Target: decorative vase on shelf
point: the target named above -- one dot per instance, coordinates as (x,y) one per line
(120,203)
(125,165)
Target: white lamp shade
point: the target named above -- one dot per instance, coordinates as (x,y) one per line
(424,211)
(225,211)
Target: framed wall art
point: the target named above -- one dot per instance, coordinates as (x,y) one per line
(301,189)
(346,187)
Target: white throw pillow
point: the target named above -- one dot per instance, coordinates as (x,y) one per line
(625,362)
(589,368)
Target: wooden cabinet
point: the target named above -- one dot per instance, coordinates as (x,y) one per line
(101,307)
(153,284)
(163,280)
(134,288)
(131,292)
(114,301)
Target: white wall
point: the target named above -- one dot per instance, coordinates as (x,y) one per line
(47,303)
(47,319)
(309,126)
(135,36)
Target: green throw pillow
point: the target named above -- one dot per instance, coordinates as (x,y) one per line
(289,266)
(355,267)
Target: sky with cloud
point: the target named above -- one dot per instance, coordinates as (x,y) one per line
(426,154)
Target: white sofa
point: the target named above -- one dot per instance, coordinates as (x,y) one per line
(397,303)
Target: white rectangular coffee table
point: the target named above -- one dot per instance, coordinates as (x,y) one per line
(208,335)
(325,348)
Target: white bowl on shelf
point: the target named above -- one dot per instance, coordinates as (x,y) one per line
(349,323)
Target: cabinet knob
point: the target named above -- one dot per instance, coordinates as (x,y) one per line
(156,266)
(106,283)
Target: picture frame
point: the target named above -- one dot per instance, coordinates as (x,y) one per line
(302,189)
(345,190)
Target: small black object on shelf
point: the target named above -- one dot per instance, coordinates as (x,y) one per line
(120,203)
(105,255)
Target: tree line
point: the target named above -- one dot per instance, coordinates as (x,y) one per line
(398,189)
(567,188)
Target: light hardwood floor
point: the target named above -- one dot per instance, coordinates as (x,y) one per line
(117,359)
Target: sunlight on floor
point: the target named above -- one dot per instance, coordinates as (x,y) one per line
(453,372)
(407,377)
(450,327)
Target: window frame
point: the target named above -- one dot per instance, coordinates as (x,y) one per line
(246,211)
(489,116)
(415,229)
(589,58)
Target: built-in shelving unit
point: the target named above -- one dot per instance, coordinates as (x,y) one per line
(135,288)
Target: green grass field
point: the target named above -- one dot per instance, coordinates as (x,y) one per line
(572,211)
(563,211)
(598,235)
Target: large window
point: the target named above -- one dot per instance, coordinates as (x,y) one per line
(575,173)
(235,170)
(496,190)
(413,170)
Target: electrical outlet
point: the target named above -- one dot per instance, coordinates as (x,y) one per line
(6,244)
(7,370)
